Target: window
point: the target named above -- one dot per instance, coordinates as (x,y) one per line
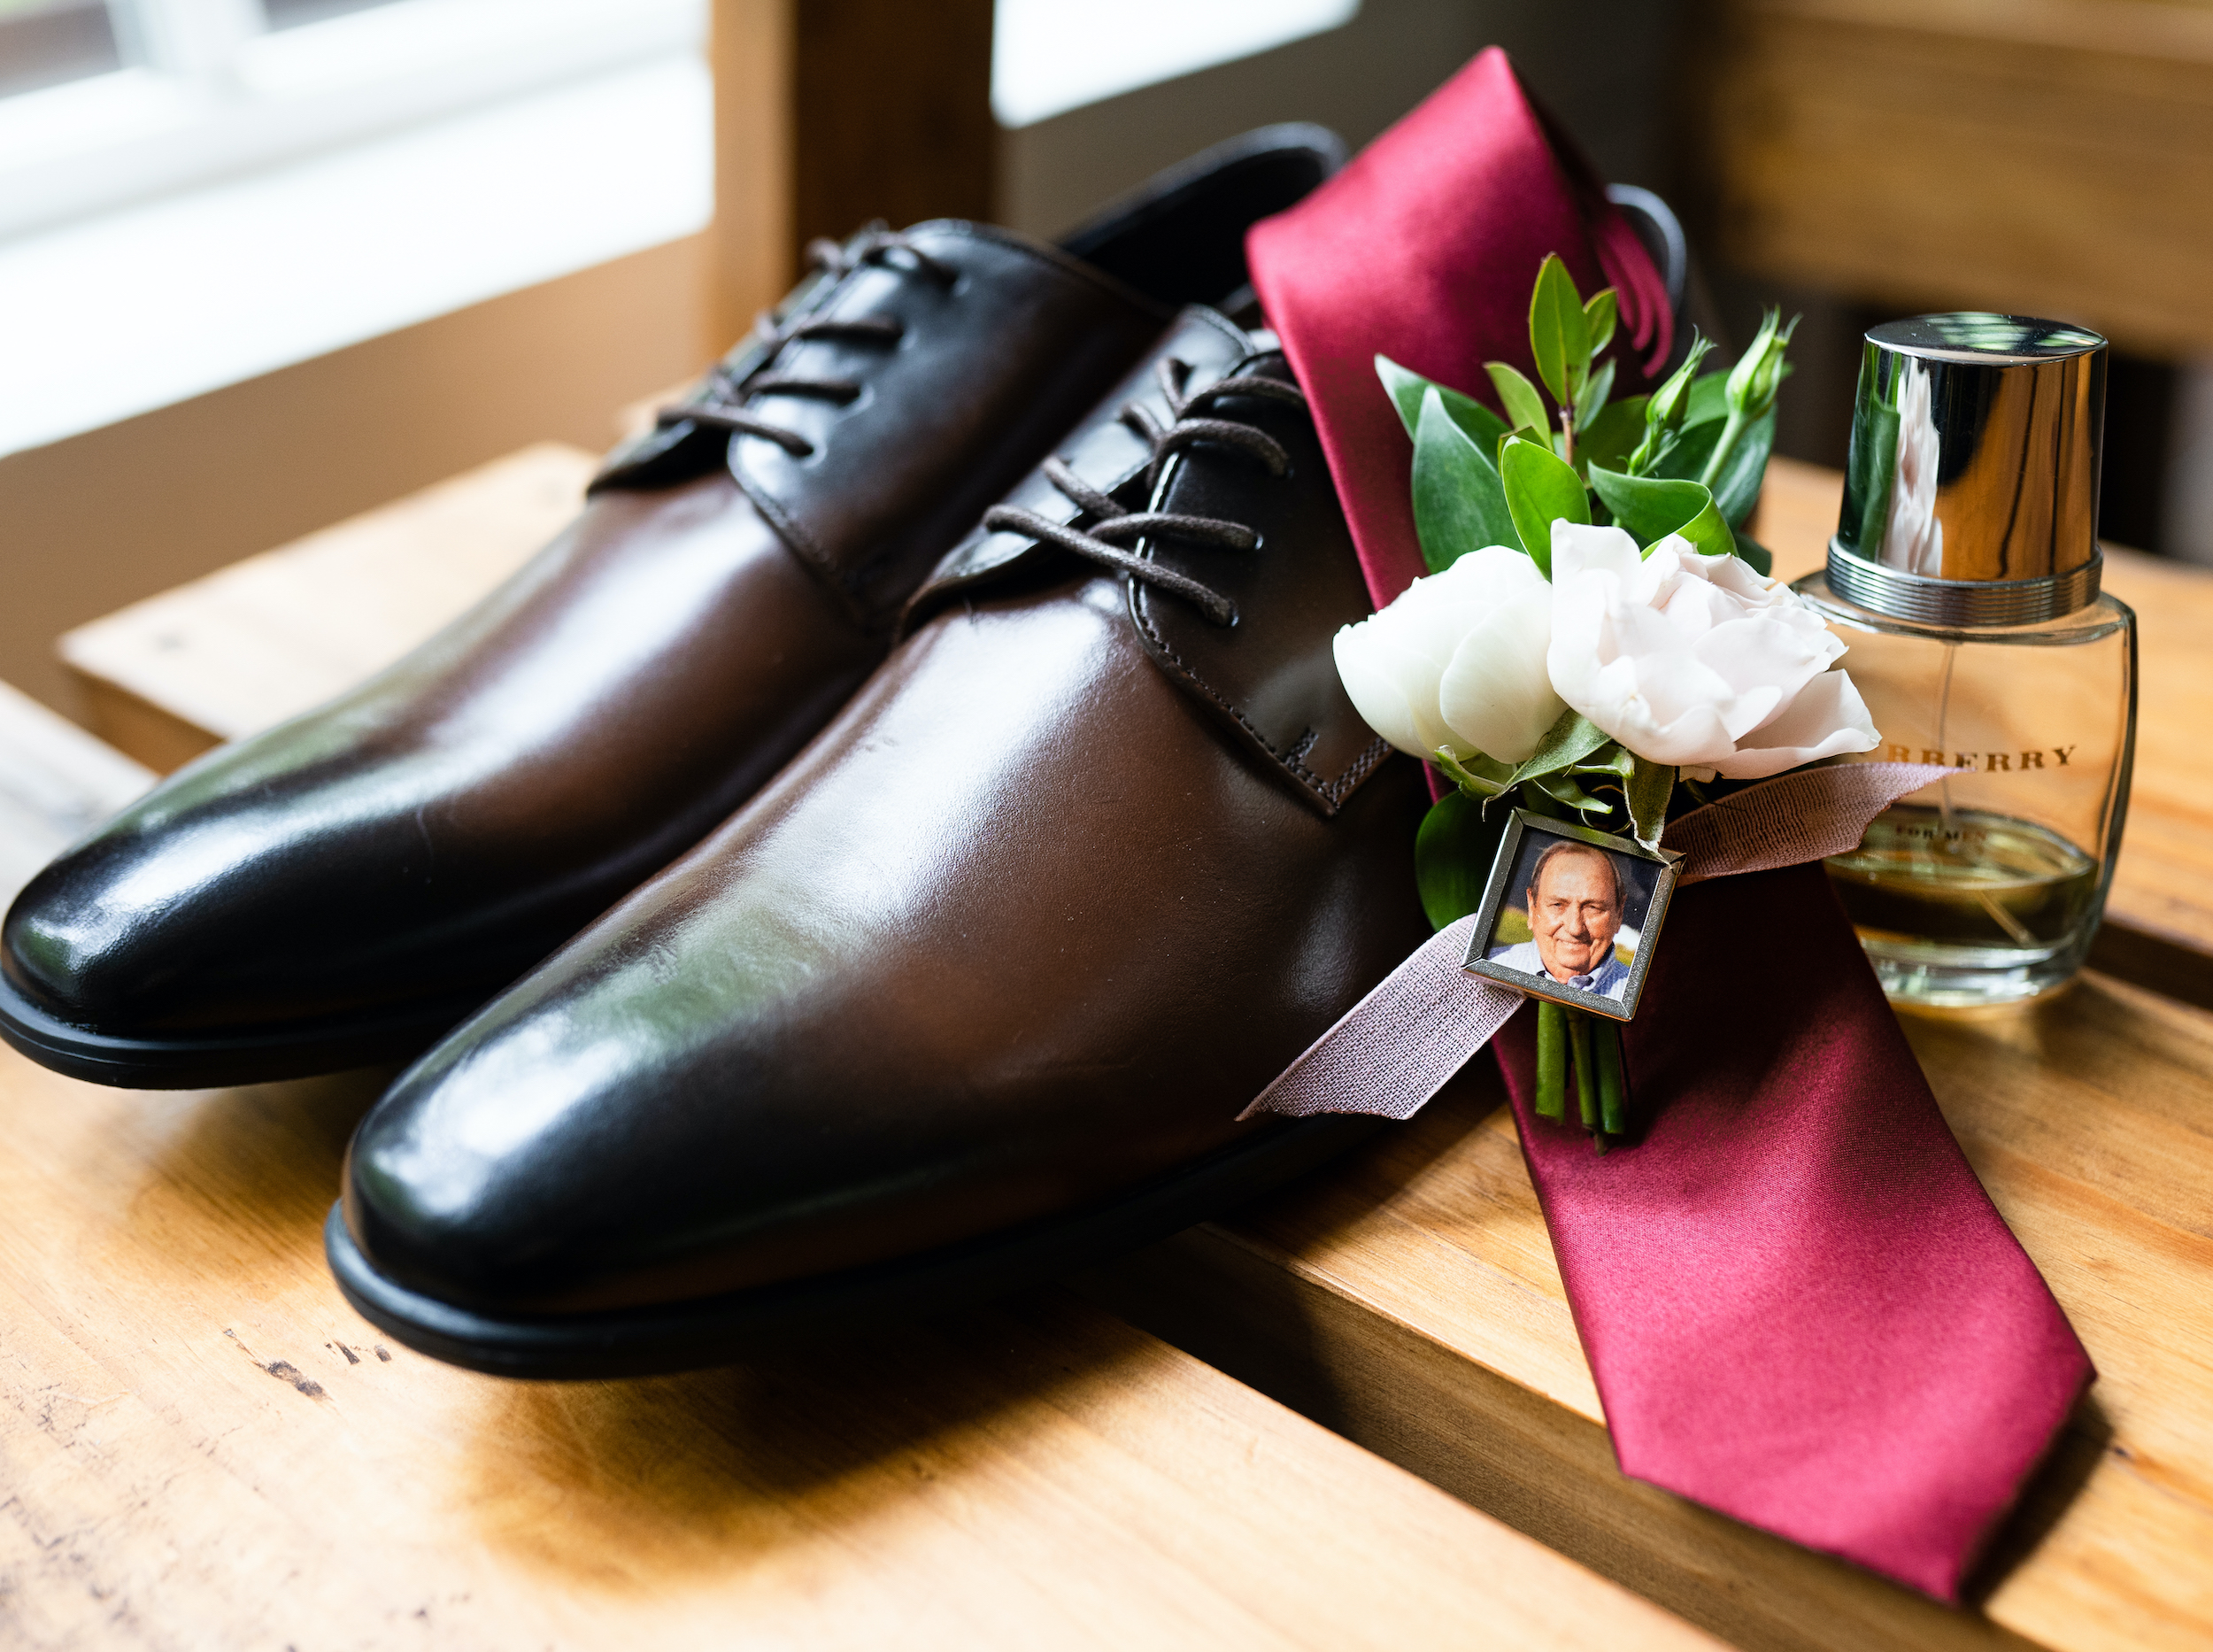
(1051,55)
(104,105)
(196,191)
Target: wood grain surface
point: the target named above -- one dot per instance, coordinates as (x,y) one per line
(1411,1301)
(201,1447)
(56,783)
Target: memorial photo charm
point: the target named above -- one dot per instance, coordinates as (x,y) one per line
(1571,915)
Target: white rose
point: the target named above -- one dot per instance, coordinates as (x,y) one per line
(1695,660)
(1458,661)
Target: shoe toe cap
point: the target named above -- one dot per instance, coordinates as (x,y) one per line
(86,946)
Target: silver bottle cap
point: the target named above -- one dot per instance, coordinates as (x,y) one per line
(1970,496)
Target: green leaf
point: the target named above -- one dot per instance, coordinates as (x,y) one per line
(1540,488)
(1459,502)
(1452,853)
(1565,792)
(1484,426)
(1613,759)
(1558,332)
(1594,395)
(1708,535)
(1708,398)
(1691,450)
(1571,738)
(1481,777)
(1613,435)
(1737,488)
(1652,507)
(1752,551)
(1598,315)
(1650,786)
(1405,388)
(1525,407)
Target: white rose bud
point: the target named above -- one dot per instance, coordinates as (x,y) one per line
(1696,660)
(1458,661)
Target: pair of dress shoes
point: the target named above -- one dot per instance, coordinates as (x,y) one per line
(1073,840)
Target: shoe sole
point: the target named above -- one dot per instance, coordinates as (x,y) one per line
(210,1063)
(656,1340)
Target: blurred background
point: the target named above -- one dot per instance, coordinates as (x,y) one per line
(267,263)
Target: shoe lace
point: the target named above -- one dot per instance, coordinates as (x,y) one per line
(1113,526)
(720,401)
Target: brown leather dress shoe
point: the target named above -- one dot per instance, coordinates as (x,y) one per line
(344,887)
(974,991)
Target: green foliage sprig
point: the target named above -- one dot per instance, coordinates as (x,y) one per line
(1687,460)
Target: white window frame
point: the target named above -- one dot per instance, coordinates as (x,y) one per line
(213,92)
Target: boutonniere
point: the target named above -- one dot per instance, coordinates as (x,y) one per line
(1597,648)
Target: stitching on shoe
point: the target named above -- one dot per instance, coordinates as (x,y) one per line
(1331,793)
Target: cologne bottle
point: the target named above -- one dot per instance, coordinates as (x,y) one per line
(1964,577)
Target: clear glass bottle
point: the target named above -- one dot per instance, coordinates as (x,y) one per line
(1964,577)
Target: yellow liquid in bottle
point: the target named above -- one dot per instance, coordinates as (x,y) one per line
(1925,882)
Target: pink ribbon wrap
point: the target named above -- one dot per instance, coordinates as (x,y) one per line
(1392,1051)
(1799,1304)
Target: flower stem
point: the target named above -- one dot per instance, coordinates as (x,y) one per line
(1551,1060)
(1586,1068)
(1613,1081)
(1735,427)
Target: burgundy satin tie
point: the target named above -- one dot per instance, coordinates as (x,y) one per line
(1798,1305)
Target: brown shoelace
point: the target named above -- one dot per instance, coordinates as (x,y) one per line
(720,401)
(1113,526)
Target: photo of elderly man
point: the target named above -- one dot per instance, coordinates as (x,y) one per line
(1576,899)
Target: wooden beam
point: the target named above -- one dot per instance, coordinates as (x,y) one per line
(2054,157)
(831,112)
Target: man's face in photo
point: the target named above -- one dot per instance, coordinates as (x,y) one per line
(1575,914)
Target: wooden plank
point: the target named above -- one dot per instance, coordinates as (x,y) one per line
(1411,1301)
(56,783)
(2159,916)
(201,1447)
(2048,157)
(248,646)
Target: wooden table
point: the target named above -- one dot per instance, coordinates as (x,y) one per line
(1408,1301)
(201,1446)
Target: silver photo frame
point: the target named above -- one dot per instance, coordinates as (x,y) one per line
(1533,841)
